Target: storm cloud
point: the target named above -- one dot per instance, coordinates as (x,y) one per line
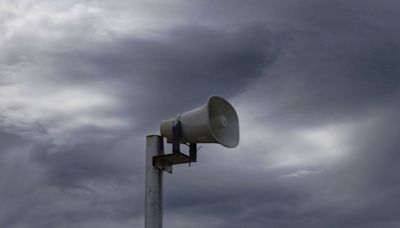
(316,86)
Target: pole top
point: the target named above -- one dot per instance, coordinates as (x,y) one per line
(151,136)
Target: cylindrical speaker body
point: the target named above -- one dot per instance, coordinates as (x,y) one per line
(214,122)
(194,126)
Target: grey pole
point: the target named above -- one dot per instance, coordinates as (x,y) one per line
(154,183)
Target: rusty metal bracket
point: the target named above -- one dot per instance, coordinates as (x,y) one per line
(165,162)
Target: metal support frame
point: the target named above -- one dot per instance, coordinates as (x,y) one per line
(156,163)
(165,162)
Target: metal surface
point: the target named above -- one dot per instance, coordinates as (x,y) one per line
(176,136)
(154,183)
(216,121)
(193,151)
(165,162)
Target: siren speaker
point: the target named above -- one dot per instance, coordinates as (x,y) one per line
(214,122)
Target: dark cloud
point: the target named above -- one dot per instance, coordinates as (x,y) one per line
(9,141)
(359,192)
(183,65)
(290,68)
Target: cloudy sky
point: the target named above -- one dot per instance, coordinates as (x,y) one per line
(316,85)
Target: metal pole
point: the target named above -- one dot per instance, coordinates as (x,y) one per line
(154,184)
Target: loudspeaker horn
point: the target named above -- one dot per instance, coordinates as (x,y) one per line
(214,122)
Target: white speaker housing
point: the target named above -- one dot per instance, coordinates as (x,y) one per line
(214,122)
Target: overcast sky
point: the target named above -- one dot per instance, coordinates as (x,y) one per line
(316,85)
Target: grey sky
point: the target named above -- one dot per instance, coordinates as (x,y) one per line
(315,83)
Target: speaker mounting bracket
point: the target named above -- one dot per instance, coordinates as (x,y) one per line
(165,162)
